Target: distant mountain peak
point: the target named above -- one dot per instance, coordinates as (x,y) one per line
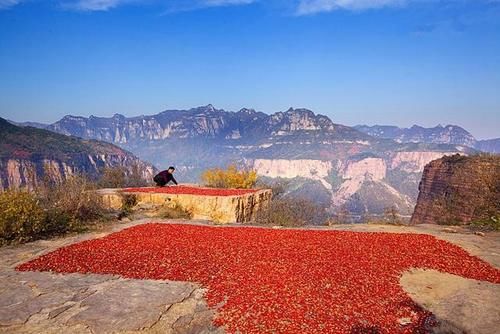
(449,134)
(247,111)
(292,110)
(209,107)
(72,117)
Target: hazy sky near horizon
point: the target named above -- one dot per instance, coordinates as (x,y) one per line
(397,62)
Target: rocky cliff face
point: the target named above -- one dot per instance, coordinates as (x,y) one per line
(284,168)
(16,173)
(28,156)
(459,189)
(366,185)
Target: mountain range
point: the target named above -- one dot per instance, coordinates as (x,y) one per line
(449,134)
(29,155)
(350,168)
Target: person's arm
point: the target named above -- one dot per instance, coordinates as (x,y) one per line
(173,180)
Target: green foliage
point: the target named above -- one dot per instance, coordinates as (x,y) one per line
(292,212)
(230,177)
(334,179)
(489,224)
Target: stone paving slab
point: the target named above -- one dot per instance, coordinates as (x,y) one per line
(44,302)
(41,302)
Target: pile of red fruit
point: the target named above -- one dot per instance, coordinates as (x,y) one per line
(192,191)
(279,281)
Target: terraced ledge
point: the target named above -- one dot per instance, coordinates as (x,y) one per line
(219,205)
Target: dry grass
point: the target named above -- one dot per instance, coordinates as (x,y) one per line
(50,209)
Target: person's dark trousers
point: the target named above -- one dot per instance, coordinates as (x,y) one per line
(160,182)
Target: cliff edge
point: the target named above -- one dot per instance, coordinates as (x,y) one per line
(458,190)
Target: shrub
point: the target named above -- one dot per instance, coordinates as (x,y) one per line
(489,224)
(72,202)
(292,212)
(174,211)
(391,215)
(341,216)
(113,177)
(128,203)
(51,208)
(119,177)
(230,177)
(21,216)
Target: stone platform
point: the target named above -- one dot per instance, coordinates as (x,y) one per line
(218,205)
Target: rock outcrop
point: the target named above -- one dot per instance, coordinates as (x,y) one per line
(360,185)
(218,208)
(17,173)
(29,155)
(459,189)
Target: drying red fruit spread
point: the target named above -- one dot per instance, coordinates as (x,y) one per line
(192,191)
(279,281)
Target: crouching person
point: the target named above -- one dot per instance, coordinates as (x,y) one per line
(164,177)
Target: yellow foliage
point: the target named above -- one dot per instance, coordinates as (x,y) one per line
(21,216)
(230,177)
(50,209)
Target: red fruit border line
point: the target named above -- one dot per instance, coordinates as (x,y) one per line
(186,190)
(279,281)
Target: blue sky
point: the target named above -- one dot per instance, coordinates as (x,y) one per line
(358,61)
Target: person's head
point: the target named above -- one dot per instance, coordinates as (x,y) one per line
(171,169)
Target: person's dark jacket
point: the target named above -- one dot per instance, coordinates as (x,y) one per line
(164,177)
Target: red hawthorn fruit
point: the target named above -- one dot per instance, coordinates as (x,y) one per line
(279,281)
(192,191)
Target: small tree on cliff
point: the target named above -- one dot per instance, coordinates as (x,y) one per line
(391,215)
